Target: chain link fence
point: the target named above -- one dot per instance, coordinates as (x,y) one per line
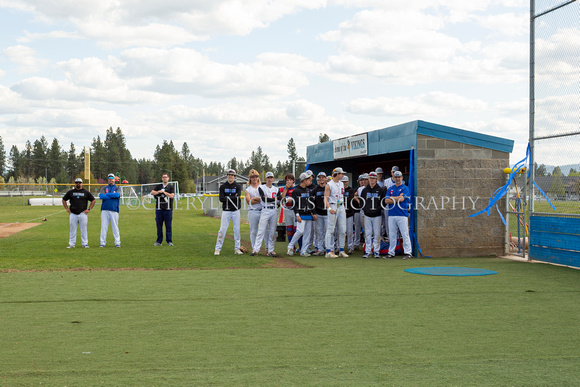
(555,116)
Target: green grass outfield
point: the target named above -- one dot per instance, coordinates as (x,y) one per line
(350,322)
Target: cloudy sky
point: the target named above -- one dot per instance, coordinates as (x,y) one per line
(227,76)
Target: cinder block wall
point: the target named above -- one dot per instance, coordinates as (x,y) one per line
(450,177)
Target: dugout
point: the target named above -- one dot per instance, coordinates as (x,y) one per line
(451,174)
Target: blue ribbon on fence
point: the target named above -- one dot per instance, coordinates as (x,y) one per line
(503,190)
(412,233)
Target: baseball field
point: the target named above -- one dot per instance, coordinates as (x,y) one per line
(144,315)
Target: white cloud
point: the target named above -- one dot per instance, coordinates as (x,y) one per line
(26,58)
(45,89)
(410,45)
(436,104)
(11,102)
(507,24)
(134,23)
(56,119)
(186,71)
(33,36)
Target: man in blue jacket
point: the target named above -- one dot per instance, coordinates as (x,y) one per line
(110,211)
(397,197)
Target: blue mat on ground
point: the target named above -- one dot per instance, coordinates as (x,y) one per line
(450,271)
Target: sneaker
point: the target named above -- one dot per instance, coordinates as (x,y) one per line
(350,251)
(365,255)
(318,253)
(330,254)
(407,256)
(272,254)
(156,244)
(377,256)
(85,246)
(290,252)
(102,246)
(390,256)
(119,246)
(342,254)
(238,252)
(217,252)
(254,253)
(304,255)
(168,244)
(70,247)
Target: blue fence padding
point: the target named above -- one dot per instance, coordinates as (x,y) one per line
(555,239)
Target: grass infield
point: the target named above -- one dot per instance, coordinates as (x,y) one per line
(339,322)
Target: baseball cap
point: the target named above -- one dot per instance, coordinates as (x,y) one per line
(337,170)
(304,176)
(398,173)
(321,174)
(365,175)
(379,170)
(395,168)
(309,172)
(361,177)
(230,172)
(345,178)
(373,175)
(269,174)
(78,180)
(111,176)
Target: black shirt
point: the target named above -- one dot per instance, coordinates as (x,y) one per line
(372,198)
(230,196)
(163,202)
(79,200)
(303,203)
(318,194)
(348,201)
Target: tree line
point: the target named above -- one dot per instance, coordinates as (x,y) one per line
(40,162)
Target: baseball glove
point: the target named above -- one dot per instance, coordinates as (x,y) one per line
(243,249)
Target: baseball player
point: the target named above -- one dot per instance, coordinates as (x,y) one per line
(110,211)
(380,174)
(285,194)
(321,214)
(372,197)
(164,194)
(267,226)
(388,184)
(305,215)
(79,198)
(398,198)
(349,193)
(230,196)
(334,202)
(358,214)
(254,204)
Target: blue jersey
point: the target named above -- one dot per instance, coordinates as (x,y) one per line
(400,208)
(110,198)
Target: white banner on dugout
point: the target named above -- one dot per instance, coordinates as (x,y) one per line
(350,146)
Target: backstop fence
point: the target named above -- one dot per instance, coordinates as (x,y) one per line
(555,131)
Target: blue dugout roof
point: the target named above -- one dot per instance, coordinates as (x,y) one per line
(403,137)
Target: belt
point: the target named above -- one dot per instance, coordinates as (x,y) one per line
(269,207)
(255,209)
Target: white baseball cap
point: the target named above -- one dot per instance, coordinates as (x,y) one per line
(345,178)
(379,170)
(269,174)
(303,176)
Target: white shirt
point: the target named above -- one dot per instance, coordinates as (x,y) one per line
(253,192)
(336,192)
(269,192)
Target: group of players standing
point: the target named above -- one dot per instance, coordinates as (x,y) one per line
(321,218)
